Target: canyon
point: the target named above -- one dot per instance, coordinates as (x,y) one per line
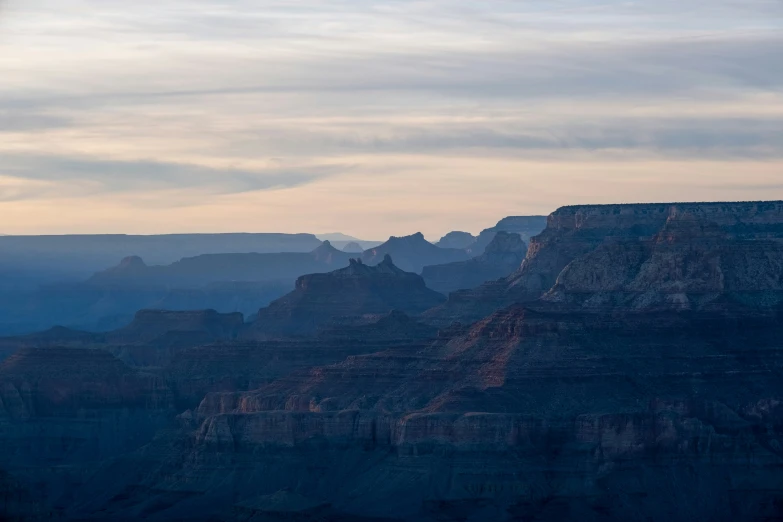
(626,364)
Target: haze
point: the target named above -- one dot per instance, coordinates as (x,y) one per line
(378,118)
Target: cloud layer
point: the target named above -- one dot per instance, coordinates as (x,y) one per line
(297,115)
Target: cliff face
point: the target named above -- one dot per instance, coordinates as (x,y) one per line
(65,411)
(639,380)
(355,291)
(590,239)
(149,340)
(527,414)
(689,263)
(501,257)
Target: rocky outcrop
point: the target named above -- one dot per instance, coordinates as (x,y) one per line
(500,258)
(529,413)
(633,373)
(246,365)
(352,292)
(525,226)
(353,248)
(584,236)
(149,325)
(149,340)
(412,253)
(456,239)
(689,263)
(65,412)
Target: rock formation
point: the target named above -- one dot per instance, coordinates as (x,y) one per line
(149,325)
(224,282)
(501,257)
(631,369)
(412,253)
(65,412)
(352,292)
(529,414)
(525,226)
(84,254)
(353,248)
(456,239)
(211,268)
(589,237)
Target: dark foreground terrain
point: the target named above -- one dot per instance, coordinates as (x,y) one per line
(630,369)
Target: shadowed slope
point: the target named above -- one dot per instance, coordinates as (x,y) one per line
(351,292)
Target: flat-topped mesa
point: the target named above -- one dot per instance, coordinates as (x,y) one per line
(757,218)
(412,253)
(604,248)
(148,325)
(356,290)
(690,264)
(501,257)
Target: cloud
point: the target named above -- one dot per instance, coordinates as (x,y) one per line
(73,175)
(198,96)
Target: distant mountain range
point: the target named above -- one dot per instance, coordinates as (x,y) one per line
(340,240)
(210,268)
(48,280)
(74,257)
(412,253)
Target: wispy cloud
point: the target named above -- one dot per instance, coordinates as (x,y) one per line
(88,175)
(223,97)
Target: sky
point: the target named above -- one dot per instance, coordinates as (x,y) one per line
(378,118)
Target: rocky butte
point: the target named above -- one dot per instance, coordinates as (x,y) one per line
(349,293)
(412,253)
(630,369)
